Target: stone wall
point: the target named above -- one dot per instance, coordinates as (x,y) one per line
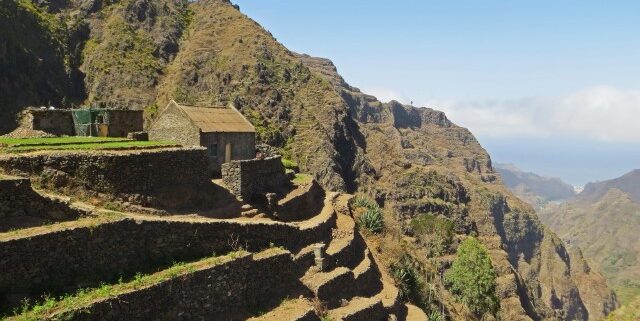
(250,178)
(60,122)
(230,290)
(85,256)
(21,206)
(301,204)
(57,122)
(123,122)
(169,178)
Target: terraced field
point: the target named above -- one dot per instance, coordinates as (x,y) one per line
(20,145)
(116,265)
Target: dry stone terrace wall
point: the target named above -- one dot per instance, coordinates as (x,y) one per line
(301,204)
(226,291)
(171,178)
(81,257)
(248,178)
(21,206)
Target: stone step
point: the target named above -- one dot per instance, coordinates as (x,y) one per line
(347,245)
(415,314)
(250,213)
(360,309)
(290,310)
(331,287)
(305,258)
(367,276)
(321,224)
(390,296)
(341,204)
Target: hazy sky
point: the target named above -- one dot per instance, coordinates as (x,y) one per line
(552,86)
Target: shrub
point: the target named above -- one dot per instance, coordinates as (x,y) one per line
(436,233)
(435,316)
(372,220)
(471,278)
(407,279)
(289,164)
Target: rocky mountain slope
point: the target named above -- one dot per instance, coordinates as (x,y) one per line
(141,53)
(603,221)
(533,188)
(627,183)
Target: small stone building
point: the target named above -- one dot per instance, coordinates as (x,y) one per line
(225,133)
(85,122)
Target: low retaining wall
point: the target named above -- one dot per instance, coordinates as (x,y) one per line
(21,206)
(301,204)
(227,291)
(58,261)
(168,178)
(249,178)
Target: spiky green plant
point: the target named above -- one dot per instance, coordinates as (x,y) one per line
(372,220)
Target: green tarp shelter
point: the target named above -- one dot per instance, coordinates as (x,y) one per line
(91,122)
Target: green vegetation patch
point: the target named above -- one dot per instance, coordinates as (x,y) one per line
(372,219)
(85,297)
(301,179)
(58,140)
(472,279)
(17,145)
(289,164)
(434,232)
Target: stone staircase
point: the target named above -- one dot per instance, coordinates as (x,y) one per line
(350,283)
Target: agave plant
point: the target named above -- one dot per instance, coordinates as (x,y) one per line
(372,220)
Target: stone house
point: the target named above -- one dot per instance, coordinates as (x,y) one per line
(225,133)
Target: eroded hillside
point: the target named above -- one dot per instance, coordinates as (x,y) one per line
(603,222)
(413,161)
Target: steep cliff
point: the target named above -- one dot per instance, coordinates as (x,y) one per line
(141,53)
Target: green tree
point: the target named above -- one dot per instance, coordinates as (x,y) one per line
(471,278)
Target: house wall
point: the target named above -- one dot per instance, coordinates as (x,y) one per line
(123,122)
(56,122)
(242,147)
(173,125)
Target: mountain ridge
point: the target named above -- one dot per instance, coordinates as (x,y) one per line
(534,189)
(410,160)
(627,183)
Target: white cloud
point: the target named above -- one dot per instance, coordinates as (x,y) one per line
(601,113)
(385,94)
